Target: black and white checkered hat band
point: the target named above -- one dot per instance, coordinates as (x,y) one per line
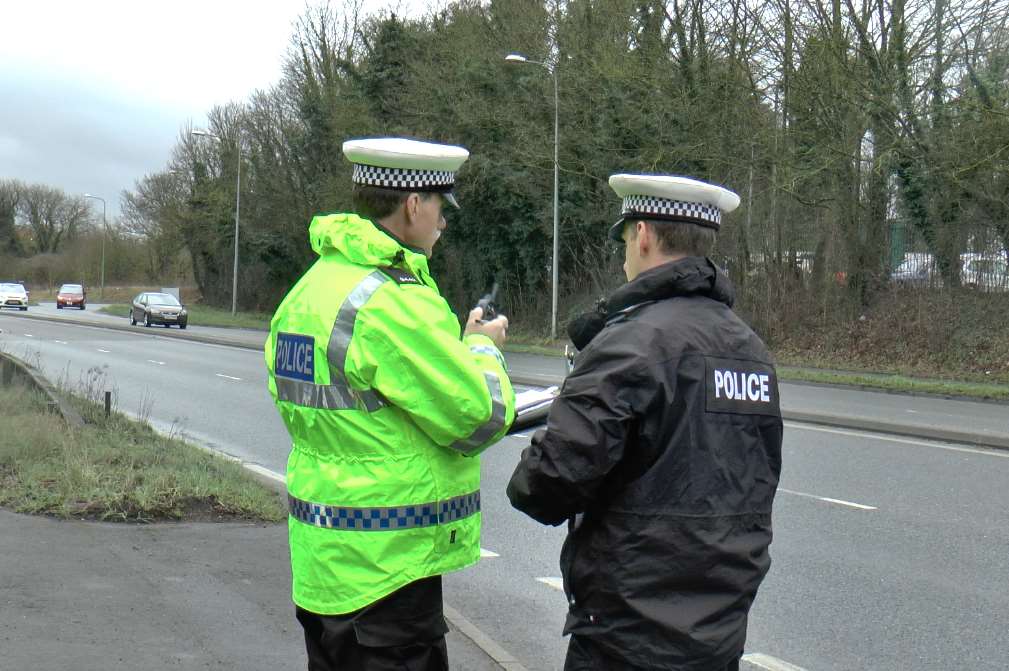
(671,209)
(403,179)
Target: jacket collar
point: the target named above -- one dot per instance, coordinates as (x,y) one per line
(364,243)
(691,276)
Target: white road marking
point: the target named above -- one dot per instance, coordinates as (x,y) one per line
(160,363)
(894,439)
(762,661)
(29,335)
(229,377)
(520,435)
(103,350)
(556,583)
(828,500)
(62,342)
(262,470)
(487,553)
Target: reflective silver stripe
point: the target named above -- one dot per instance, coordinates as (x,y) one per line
(343,327)
(385,519)
(339,396)
(484,349)
(487,430)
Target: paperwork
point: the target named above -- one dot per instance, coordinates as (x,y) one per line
(531,400)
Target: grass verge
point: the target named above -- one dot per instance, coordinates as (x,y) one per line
(202,315)
(796,370)
(897,383)
(796,366)
(116,469)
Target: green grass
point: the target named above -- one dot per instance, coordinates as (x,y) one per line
(202,315)
(898,383)
(527,348)
(116,469)
(117,309)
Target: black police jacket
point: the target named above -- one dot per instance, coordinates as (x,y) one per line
(663,451)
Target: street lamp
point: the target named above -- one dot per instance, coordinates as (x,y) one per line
(105,228)
(238,193)
(518,58)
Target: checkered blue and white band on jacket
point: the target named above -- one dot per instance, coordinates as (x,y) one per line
(382,519)
(670,209)
(403,179)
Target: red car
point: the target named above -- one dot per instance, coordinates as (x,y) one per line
(71,296)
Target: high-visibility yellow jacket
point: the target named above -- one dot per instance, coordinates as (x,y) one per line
(386,407)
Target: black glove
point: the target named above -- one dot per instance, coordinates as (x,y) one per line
(583,328)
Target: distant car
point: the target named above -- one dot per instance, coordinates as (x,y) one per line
(987,273)
(71,296)
(13,295)
(917,270)
(152,307)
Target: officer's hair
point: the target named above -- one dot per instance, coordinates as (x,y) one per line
(681,237)
(376,202)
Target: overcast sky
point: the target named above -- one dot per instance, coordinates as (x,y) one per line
(93,94)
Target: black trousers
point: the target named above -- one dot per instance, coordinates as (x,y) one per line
(404,631)
(586,655)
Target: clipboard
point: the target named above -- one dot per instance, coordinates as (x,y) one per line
(532,407)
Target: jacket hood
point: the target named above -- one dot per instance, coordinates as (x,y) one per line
(363,243)
(691,276)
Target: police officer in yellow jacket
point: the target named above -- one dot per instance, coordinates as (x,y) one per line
(387,408)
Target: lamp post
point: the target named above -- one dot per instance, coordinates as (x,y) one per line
(105,228)
(238,194)
(518,58)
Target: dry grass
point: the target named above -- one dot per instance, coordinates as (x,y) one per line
(116,469)
(957,335)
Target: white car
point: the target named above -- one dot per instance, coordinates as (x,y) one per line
(13,296)
(917,270)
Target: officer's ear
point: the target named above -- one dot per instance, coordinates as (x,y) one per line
(643,236)
(411,207)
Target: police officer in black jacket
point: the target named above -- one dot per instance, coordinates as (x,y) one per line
(662,451)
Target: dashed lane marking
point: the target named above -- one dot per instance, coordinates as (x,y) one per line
(556,583)
(103,350)
(487,554)
(62,342)
(228,377)
(29,335)
(762,661)
(825,499)
(160,363)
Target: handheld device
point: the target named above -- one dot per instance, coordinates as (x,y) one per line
(487,303)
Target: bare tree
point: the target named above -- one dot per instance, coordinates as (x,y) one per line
(10,200)
(52,216)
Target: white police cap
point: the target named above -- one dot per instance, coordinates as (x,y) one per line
(405,165)
(670,198)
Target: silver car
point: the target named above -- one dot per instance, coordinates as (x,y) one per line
(152,307)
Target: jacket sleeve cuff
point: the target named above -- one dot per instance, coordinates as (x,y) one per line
(478,343)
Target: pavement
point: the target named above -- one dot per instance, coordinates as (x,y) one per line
(92,596)
(84,595)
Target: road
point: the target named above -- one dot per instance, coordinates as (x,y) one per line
(956,420)
(889,552)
